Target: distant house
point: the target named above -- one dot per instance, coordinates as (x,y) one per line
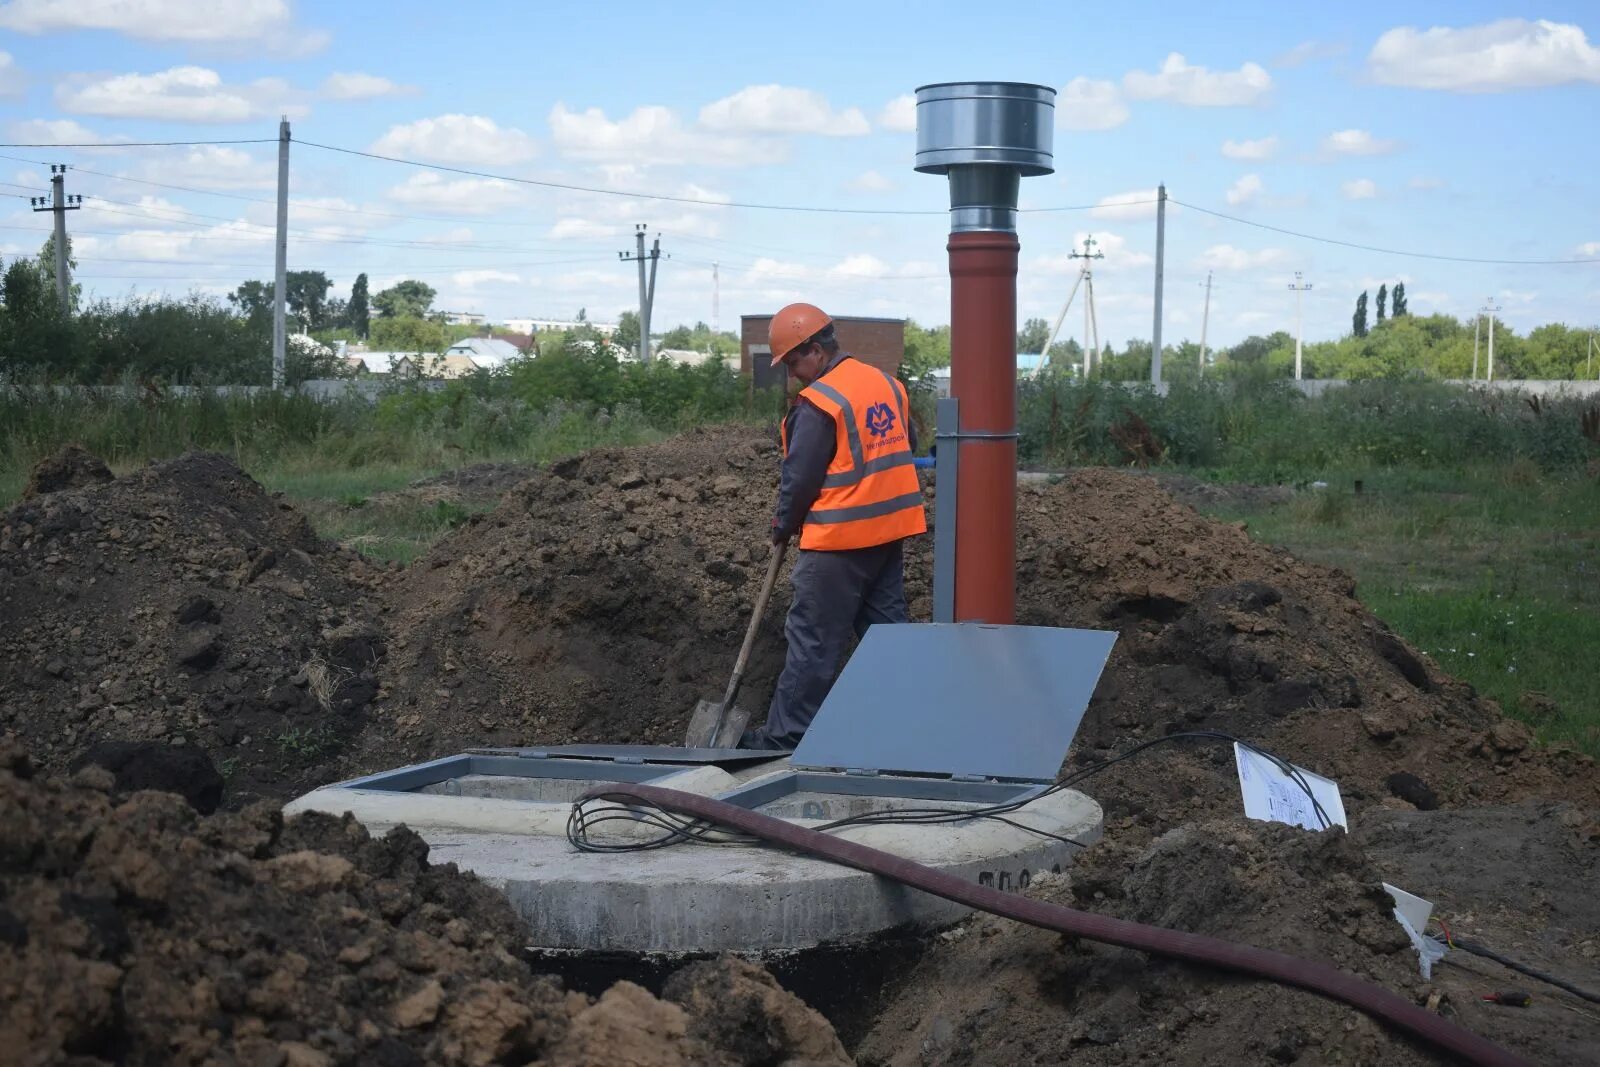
(522,342)
(450,364)
(464,318)
(687,356)
(393,364)
(1028,366)
(484,351)
(605,329)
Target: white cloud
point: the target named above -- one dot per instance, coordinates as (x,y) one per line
(1507,54)
(1137,204)
(1308,52)
(781,109)
(179,94)
(900,114)
(583,229)
(1088,104)
(342,85)
(1357,143)
(1426,182)
(457,196)
(652,134)
(1359,189)
(871,182)
(1262,148)
(1589,248)
(462,140)
(212,167)
(11,80)
(1182,83)
(55,131)
(1519,296)
(473,279)
(1245,190)
(1227,257)
(263,22)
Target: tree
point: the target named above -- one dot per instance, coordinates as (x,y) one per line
(358,313)
(47,269)
(1383,298)
(307,292)
(254,300)
(1033,336)
(627,335)
(1399,300)
(407,299)
(1358,322)
(408,333)
(926,349)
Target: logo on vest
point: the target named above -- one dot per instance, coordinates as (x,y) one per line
(880,419)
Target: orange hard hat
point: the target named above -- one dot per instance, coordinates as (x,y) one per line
(792,327)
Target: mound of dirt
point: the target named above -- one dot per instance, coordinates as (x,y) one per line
(607,593)
(138,932)
(69,468)
(597,602)
(184,605)
(1000,992)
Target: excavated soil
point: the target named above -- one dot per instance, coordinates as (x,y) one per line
(605,594)
(182,604)
(138,932)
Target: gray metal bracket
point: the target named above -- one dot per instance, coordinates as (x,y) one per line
(947,430)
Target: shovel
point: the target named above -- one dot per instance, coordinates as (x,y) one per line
(719,725)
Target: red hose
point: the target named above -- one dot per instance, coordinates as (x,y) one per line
(1195,948)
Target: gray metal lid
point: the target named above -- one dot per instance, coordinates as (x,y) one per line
(1007,124)
(958,699)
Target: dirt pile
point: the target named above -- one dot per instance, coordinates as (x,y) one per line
(184,605)
(138,932)
(607,593)
(999,992)
(1221,633)
(599,601)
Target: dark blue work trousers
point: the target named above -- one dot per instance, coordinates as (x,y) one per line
(837,595)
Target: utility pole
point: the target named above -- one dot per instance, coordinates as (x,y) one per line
(59,203)
(716,300)
(1492,309)
(647,287)
(1086,279)
(1477,324)
(1299,321)
(280,285)
(1161,253)
(1205,320)
(1588,367)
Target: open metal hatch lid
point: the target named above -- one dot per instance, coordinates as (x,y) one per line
(958,699)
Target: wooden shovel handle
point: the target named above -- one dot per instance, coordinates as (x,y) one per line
(767,583)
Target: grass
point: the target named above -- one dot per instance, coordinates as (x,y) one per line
(1493,571)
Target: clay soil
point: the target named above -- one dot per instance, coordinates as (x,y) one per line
(607,593)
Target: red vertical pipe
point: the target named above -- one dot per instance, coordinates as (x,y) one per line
(983,376)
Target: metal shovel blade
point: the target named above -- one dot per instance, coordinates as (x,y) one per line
(703,731)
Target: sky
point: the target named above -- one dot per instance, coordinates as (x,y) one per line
(1456,130)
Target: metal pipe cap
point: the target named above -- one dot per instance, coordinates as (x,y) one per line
(1006,124)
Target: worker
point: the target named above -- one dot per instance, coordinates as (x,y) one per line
(849,490)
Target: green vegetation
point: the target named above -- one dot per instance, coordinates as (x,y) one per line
(1267,431)
(1491,570)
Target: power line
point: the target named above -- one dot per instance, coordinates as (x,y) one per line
(134,144)
(1385,251)
(667,198)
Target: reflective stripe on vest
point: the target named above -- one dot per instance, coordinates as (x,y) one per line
(870,494)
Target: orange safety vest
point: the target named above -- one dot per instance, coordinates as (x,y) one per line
(870,495)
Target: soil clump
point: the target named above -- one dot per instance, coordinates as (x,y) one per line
(137,932)
(183,605)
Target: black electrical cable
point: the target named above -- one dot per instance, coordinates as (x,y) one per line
(677,829)
(1522,968)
